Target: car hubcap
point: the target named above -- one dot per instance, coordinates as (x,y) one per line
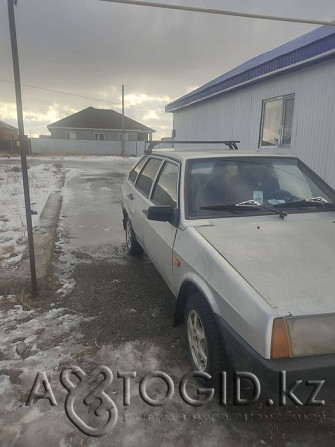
(197,340)
(128,234)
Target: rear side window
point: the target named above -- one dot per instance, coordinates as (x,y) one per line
(165,190)
(134,172)
(145,179)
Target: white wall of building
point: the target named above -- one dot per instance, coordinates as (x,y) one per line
(237,116)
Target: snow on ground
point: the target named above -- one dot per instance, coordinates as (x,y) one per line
(110,158)
(43,180)
(45,339)
(33,341)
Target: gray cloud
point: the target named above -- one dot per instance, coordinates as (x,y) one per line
(90,48)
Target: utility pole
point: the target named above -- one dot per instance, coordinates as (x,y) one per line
(123,134)
(23,140)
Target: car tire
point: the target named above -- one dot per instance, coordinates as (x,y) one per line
(134,248)
(204,345)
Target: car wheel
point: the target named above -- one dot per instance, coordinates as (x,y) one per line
(134,248)
(205,348)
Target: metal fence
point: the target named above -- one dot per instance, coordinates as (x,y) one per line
(50,146)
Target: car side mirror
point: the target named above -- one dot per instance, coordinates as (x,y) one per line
(163,214)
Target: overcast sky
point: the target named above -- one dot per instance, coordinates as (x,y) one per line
(90,48)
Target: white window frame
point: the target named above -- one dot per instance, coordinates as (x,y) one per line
(70,135)
(97,136)
(283,100)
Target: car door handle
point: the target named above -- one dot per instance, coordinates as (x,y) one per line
(130,196)
(145,212)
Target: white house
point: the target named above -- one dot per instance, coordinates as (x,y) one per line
(282,100)
(94,132)
(99,124)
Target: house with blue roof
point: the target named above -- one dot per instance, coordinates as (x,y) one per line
(282,101)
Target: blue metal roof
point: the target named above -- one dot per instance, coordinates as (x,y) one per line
(297,51)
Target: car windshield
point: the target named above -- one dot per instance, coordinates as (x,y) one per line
(216,186)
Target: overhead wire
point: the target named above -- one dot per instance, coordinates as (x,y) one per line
(78,96)
(222,12)
(189,9)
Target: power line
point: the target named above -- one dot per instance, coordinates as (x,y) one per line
(222,12)
(77,96)
(61,92)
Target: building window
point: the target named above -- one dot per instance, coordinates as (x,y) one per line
(70,135)
(99,136)
(276,121)
(126,137)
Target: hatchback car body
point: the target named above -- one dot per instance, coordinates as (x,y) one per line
(246,244)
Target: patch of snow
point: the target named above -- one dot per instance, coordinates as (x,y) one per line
(67,287)
(52,342)
(110,158)
(50,338)
(14,260)
(43,180)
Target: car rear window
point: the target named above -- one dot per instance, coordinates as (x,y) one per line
(145,179)
(134,172)
(165,189)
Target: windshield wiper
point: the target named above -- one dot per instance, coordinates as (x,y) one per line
(313,201)
(248,205)
(245,206)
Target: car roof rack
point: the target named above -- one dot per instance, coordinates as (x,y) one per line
(231,144)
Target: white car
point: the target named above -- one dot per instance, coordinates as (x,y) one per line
(246,243)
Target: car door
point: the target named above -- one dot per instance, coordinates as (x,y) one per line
(128,189)
(159,236)
(141,192)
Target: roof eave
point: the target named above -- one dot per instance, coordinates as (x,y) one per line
(8,126)
(173,107)
(51,127)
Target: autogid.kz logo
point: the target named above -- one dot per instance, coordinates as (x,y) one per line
(90,408)
(95,395)
(87,389)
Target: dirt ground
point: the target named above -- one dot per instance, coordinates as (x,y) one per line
(105,308)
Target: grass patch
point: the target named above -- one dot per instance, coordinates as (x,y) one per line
(7,249)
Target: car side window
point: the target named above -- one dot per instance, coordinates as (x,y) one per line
(165,191)
(137,168)
(146,177)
